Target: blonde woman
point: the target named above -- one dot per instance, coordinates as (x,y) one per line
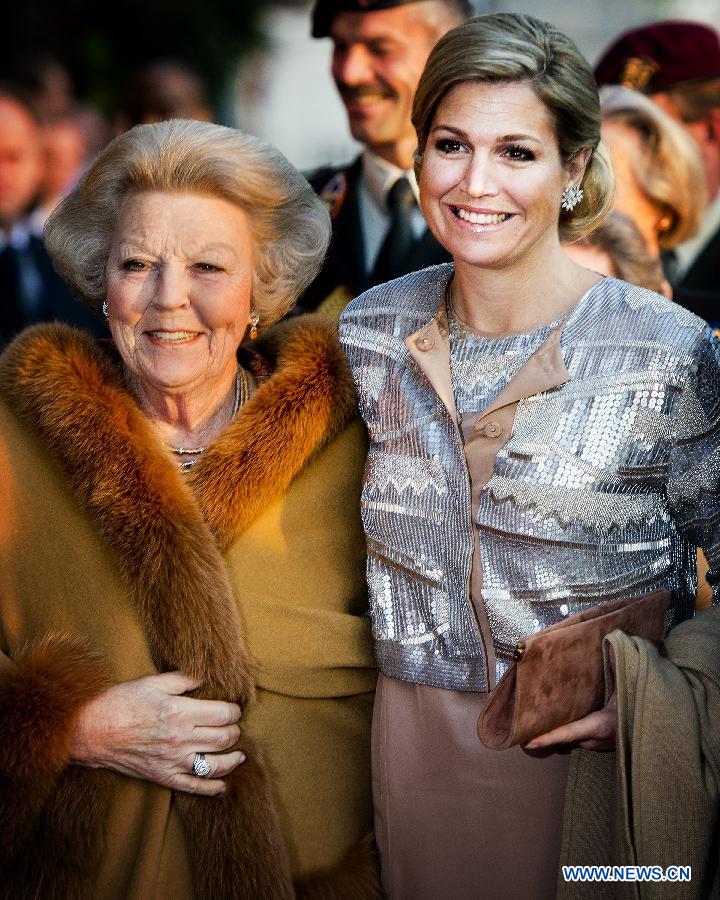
(540,438)
(660,180)
(185,674)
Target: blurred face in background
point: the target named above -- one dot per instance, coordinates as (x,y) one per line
(168,91)
(21,161)
(704,130)
(627,152)
(378,58)
(65,152)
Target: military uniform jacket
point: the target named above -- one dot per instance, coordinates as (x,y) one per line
(344,268)
(602,473)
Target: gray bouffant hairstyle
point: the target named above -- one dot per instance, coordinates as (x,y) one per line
(510,47)
(290,225)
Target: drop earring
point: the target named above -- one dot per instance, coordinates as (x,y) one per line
(105,309)
(571,196)
(254,322)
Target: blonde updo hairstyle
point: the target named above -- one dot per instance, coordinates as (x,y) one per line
(509,47)
(290,225)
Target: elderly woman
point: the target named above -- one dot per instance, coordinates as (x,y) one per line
(186,677)
(543,440)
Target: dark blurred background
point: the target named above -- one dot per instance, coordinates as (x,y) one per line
(102,46)
(98,68)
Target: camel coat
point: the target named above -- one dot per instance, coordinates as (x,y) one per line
(656,801)
(247,574)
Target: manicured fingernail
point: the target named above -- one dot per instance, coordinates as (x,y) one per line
(242,757)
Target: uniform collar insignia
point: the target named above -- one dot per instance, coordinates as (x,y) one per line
(334,193)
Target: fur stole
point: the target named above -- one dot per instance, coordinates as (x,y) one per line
(168,534)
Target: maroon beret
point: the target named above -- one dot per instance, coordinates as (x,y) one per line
(326,10)
(660,56)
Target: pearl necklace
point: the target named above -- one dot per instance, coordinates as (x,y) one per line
(242,394)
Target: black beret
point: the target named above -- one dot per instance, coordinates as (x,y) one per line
(326,10)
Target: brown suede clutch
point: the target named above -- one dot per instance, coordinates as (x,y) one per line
(558,675)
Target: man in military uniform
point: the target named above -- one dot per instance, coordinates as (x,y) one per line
(677,64)
(379,51)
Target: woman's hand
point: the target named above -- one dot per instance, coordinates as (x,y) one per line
(147,729)
(593,732)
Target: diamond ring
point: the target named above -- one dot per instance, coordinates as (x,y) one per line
(200,766)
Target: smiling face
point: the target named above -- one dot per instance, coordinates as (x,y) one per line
(492,177)
(378,58)
(179,282)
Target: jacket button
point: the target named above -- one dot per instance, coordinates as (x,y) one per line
(493,429)
(425,343)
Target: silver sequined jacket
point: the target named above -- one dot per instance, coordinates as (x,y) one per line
(606,484)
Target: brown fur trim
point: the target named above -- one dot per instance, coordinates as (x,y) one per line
(260,870)
(356,878)
(307,402)
(40,694)
(69,393)
(60,859)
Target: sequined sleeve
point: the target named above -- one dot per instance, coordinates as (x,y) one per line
(694,477)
